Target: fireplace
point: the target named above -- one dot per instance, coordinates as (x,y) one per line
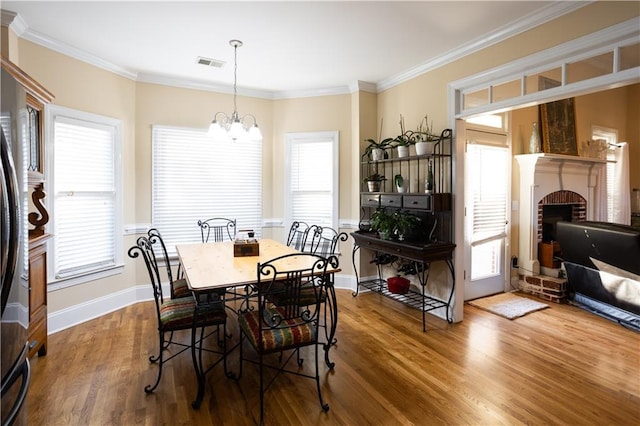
(555,187)
(567,206)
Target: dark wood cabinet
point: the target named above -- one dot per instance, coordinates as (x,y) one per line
(38,295)
(36,99)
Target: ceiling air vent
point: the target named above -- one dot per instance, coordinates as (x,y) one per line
(210,62)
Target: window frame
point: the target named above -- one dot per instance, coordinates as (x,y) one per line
(51,113)
(312,137)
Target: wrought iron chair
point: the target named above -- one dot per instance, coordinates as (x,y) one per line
(177,314)
(298,234)
(178,286)
(217,229)
(277,329)
(324,242)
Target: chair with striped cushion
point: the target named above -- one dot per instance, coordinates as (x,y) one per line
(272,329)
(178,313)
(323,241)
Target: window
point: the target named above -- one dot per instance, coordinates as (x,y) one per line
(610,138)
(84,178)
(195,178)
(311,193)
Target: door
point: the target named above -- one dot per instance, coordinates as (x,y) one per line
(487,191)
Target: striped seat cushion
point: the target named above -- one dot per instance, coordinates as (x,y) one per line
(180,289)
(291,333)
(178,314)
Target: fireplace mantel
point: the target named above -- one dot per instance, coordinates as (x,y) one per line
(542,174)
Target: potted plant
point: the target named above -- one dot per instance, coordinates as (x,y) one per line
(399,180)
(405,224)
(377,150)
(383,223)
(402,143)
(404,140)
(425,137)
(373,181)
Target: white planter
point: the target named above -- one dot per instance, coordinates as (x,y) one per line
(377,154)
(401,189)
(423,148)
(403,151)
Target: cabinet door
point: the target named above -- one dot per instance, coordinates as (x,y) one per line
(37,299)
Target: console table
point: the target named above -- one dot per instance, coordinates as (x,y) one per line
(422,255)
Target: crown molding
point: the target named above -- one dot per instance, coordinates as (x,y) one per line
(309,93)
(81,55)
(542,16)
(7,17)
(363,86)
(183,83)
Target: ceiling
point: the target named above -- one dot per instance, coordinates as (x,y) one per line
(289,47)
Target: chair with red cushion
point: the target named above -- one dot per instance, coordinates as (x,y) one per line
(179,313)
(273,329)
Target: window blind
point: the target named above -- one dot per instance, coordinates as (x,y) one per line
(489,195)
(195,178)
(84,183)
(311,178)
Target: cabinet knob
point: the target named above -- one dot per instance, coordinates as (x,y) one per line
(414,203)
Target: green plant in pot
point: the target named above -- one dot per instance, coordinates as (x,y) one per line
(406,224)
(383,223)
(399,180)
(404,140)
(402,144)
(376,150)
(374,181)
(424,137)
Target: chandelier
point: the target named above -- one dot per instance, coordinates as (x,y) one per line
(225,128)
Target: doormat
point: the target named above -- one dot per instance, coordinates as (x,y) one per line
(508,305)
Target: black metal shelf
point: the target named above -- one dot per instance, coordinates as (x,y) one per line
(412,298)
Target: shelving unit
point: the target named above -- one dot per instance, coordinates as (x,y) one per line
(433,207)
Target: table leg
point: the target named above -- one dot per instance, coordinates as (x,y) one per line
(331,305)
(197,359)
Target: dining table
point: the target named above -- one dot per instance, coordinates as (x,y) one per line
(212,269)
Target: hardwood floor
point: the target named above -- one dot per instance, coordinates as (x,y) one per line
(561,365)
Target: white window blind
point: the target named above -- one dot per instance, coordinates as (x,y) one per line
(195,178)
(312,177)
(86,209)
(489,195)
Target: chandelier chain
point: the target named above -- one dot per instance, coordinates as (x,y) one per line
(235,79)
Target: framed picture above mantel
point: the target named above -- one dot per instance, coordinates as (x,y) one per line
(558,127)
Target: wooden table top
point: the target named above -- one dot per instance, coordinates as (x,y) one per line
(208,266)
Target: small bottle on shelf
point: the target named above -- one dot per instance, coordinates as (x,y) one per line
(428,183)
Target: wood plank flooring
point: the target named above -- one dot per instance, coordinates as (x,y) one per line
(557,366)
